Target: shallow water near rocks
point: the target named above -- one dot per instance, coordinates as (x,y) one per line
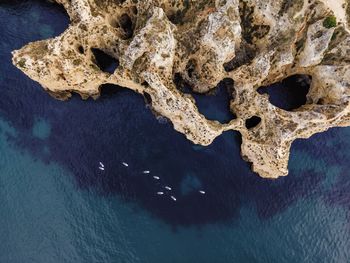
(57,206)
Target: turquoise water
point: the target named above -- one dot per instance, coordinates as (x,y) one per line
(57,206)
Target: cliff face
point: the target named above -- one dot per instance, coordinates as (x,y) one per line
(255,43)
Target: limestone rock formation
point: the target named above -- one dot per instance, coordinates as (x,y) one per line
(253,42)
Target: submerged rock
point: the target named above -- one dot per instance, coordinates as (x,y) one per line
(255,43)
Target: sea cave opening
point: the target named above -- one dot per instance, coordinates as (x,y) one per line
(252,122)
(288,94)
(105,62)
(127,25)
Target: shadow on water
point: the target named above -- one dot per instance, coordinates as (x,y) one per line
(118,127)
(290,93)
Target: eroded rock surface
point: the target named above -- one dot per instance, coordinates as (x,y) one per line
(255,43)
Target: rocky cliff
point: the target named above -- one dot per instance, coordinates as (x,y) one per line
(154,43)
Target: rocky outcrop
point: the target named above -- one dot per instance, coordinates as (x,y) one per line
(255,43)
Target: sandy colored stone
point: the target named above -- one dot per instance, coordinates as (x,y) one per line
(255,43)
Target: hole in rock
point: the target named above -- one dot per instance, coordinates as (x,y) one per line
(214,105)
(134,10)
(191,68)
(104,61)
(145,84)
(290,93)
(320,102)
(81,50)
(126,24)
(252,122)
(177,17)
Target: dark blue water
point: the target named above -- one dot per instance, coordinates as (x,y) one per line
(57,206)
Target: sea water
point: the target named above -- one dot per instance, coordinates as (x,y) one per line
(57,206)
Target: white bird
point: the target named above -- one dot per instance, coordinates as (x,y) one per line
(102,165)
(167,187)
(202,192)
(146,172)
(156,177)
(172,197)
(125,164)
(101,168)
(160,193)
